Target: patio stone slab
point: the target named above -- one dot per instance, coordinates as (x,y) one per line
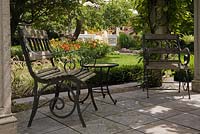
(73,119)
(109,101)
(25,115)
(100,126)
(164,127)
(64,131)
(107,110)
(134,94)
(132,104)
(130,131)
(186,119)
(196,112)
(132,119)
(39,126)
(173,95)
(156,100)
(181,105)
(159,111)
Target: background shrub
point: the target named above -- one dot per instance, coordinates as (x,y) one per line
(121,74)
(188,41)
(128,41)
(16,51)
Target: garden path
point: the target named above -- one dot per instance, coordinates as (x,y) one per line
(165,112)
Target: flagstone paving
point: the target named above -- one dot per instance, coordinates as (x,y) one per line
(165,112)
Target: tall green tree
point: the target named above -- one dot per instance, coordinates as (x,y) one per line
(178,15)
(46,13)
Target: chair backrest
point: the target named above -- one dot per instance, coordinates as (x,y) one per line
(35,46)
(162,45)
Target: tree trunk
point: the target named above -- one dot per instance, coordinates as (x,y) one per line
(78,29)
(159,25)
(16,9)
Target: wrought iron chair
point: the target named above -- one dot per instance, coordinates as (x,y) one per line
(37,49)
(162,52)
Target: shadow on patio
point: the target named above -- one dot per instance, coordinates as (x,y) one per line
(165,112)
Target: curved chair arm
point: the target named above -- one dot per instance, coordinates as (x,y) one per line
(186,52)
(69,64)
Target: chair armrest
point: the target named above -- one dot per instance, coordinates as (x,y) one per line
(87,60)
(69,64)
(186,53)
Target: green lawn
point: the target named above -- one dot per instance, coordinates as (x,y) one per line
(129,59)
(121,59)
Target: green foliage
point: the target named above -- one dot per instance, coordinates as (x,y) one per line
(179,16)
(94,48)
(154,78)
(112,14)
(16,51)
(188,41)
(127,41)
(93,18)
(182,19)
(117,13)
(22,82)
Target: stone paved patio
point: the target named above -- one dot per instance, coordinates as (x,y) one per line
(165,112)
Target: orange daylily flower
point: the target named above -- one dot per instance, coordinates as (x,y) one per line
(66,47)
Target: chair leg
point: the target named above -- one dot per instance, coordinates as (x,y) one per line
(35,103)
(56,95)
(188,86)
(76,101)
(147,84)
(92,98)
(144,80)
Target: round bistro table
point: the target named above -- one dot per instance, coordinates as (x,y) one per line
(102,66)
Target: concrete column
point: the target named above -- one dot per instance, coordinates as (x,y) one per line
(7,120)
(196,81)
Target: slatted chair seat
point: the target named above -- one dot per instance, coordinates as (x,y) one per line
(36,49)
(158,65)
(55,74)
(163,52)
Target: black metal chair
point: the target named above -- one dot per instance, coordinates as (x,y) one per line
(37,49)
(163,52)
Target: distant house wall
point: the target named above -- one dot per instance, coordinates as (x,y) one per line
(111,39)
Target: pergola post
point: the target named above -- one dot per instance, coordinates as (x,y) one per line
(7,120)
(196,81)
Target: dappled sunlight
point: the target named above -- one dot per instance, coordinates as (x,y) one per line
(194,103)
(157,110)
(165,129)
